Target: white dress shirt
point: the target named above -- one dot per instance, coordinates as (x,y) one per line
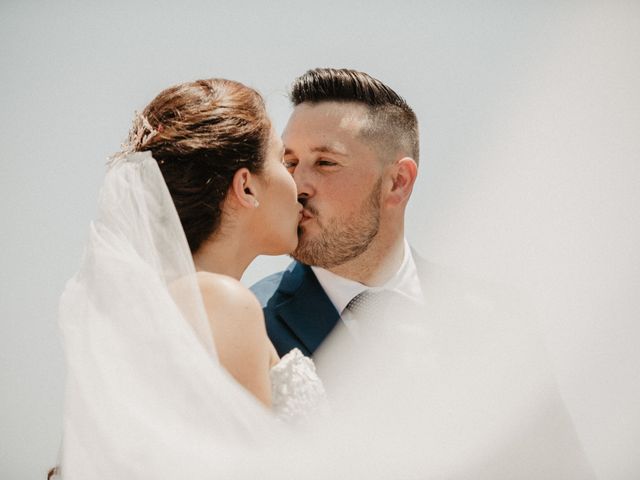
(341,290)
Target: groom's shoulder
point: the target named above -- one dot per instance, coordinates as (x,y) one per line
(469,296)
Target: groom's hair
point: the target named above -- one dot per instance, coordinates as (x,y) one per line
(392,124)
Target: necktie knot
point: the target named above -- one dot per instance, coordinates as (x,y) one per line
(371,303)
(381,305)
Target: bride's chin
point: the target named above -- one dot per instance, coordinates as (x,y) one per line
(292,246)
(286,248)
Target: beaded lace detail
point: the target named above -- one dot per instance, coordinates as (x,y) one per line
(296,390)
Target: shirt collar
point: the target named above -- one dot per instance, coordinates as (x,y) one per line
(341,290)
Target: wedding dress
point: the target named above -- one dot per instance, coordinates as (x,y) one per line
(296,390)
(146,396)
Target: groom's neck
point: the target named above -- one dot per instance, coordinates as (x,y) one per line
(376,265)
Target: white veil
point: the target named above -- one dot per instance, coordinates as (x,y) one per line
(460,391)
(145,392)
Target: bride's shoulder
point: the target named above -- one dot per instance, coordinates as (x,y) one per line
(225,297)
(239,332)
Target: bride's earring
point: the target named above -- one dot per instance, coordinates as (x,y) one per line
(256,203)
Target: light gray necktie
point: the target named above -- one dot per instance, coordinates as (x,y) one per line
(371,304)
(380,305)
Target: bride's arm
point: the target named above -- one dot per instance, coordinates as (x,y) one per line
(239,332)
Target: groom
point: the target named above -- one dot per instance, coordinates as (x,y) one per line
(351,145)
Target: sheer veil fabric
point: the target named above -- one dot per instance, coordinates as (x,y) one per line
(145,396)
(459,391)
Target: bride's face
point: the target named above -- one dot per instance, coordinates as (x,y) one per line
(279,209)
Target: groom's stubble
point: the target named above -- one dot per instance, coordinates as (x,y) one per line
(340,239)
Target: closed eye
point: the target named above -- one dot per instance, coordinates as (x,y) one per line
(326,163)
(289,163)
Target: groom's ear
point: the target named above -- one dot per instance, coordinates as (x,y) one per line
(403,175)
(243,188)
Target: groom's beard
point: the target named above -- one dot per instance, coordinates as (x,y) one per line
(340,239)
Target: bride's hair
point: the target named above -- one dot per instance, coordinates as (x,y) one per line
(201,133)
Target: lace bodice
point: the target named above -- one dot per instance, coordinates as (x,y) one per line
(297,391)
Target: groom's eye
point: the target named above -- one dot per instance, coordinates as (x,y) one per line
(326,163)
(289,164)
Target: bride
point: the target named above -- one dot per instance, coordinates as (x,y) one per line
(157,307)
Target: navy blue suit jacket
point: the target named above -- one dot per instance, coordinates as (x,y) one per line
(297,311)
(470,321)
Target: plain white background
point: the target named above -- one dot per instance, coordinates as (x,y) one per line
(530,168)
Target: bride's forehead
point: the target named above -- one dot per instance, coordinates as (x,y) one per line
(275,142)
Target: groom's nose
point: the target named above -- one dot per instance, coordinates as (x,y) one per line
(304,182)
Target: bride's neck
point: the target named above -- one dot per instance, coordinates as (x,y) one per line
(224,254)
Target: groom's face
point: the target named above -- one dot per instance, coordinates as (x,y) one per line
(338,176)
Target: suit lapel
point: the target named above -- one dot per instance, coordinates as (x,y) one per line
(306,310)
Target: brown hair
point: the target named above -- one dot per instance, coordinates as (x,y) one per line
(201,133)
(392,124)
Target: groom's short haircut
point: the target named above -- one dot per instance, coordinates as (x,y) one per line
(392,124)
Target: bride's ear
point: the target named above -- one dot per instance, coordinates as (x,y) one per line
(243,188)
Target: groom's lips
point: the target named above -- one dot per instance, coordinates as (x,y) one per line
(305,216)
